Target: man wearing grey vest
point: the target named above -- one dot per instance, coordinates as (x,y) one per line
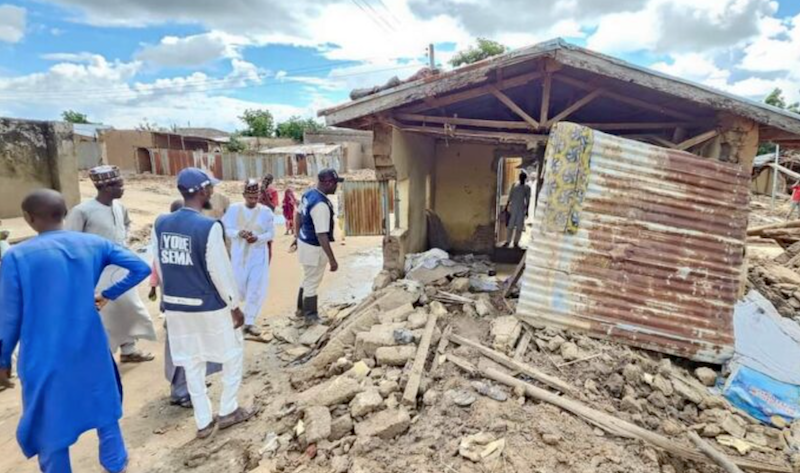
(200,301)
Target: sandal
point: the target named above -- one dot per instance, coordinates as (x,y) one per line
(185,402)
(206,431)
(136,357)
(236,417)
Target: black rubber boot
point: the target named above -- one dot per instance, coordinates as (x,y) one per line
(299,312)
(310,312)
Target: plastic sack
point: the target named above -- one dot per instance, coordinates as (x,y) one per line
(762,397)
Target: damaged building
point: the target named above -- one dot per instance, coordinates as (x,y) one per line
(642,182)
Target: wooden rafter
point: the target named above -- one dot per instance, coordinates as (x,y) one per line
(521,138)
(547,85)
(500,124)
(643,125)
(513,106)
(626,99)
(450,99)
(574,107)
(696,140)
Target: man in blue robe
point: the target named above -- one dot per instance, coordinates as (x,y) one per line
(70,384)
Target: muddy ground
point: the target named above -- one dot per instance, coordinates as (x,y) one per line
(152,428)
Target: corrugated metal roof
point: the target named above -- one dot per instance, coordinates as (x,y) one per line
(319,148)
(656,258)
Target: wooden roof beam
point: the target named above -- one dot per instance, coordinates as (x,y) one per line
(626,99)
(499,124)
(520,138)
(547,85)
(583,101)
(513,106)
(450,99)
(694,141)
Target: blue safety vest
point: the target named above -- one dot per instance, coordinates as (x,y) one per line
(310,199)
(182,240)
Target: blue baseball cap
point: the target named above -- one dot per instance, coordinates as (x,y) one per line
(192,180)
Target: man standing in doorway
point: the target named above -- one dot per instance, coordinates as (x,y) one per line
(519,198)
(126,319)
(315,221)
(48,305)
(200,301)
(250,226)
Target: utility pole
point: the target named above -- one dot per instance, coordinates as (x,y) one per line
(775,174)
(431,59)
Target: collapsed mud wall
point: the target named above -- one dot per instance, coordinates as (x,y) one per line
(35,154)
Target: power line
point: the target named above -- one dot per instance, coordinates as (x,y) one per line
(389,11)
(378,15)
(374,20)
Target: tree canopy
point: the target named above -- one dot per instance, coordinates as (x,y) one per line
(483,49)
(776,99)
(295,126)
(71,116)
(259,123)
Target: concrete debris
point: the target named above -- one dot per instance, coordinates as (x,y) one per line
(358,371)
(505,332)
(707,376)
(431,397)
(386,424)
(312,334)
(417,320)
(403,336)
(492,392)
(288,335)
(317,421)
(341,427)
(481,447)
(395,356)
(387,387)
(399,314)
(340,464)
(460,285)
(365,403)
(484,308)
(570,352)
(338,390)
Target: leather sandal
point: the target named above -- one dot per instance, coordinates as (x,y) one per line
(206,431)
(136,357)
(236,417)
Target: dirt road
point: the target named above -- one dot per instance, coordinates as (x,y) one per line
(152,428)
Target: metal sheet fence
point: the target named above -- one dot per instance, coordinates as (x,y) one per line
(363,208)
(656,259)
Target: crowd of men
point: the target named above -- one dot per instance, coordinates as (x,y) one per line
(211,265)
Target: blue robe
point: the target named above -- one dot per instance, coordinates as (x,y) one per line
(70,382)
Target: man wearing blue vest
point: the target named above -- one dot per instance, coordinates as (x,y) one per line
(200,301)
(315,218)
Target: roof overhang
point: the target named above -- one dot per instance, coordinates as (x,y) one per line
(775,122)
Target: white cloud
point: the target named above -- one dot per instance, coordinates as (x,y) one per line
(12,23)
(695,67)
(191,51)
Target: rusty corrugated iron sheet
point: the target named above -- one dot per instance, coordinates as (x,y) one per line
(363,208)
(656,257)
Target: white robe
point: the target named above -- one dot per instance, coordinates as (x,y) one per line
(250,260)
(125,319)
(196,337)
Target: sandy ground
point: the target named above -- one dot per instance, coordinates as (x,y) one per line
(151,427)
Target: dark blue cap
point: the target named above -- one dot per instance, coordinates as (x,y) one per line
(192,180)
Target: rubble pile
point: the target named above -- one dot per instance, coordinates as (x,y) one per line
(416,378)
(779,280)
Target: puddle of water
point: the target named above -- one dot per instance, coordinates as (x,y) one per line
(355,278)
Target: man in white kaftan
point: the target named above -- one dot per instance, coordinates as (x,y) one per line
(250,226)
(125,319)
(201,301)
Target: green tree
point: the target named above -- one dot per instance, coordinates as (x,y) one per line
(259,123)
(485,48)
(295,126)
(71,116)
(776,99)
(235,145)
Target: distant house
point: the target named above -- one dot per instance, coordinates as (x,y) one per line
(88,148)
(210,133)
(357,145)
(130,149)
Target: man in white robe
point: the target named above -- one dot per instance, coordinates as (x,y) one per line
(201,301)
(519,199)
(250,226)
(125,319)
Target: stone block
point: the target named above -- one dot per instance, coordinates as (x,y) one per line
(312,334)
(395,356)
(707,376)
(505,332)
(341,427)
(365,403)
(400,314)
(417,319)
(317,421)
(339,390)
(385,424)
(381,335)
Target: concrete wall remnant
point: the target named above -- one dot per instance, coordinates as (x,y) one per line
(34,155)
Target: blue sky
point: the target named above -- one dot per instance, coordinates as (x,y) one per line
(202,62)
